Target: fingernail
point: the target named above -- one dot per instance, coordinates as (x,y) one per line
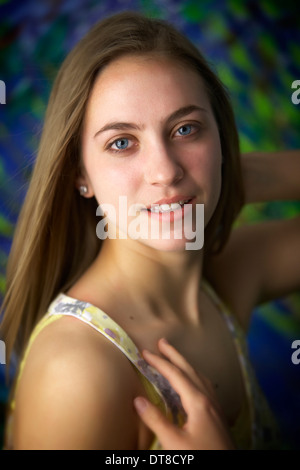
(146,352)
(140,404)
(163,340)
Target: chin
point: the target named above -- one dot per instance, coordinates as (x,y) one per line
(172,245)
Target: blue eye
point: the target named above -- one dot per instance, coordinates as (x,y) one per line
(121,144)
(185,130)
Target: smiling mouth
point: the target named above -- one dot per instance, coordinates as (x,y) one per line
(165,208)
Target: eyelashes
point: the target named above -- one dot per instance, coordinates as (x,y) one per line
(125,143)
(185,130)
(121,144)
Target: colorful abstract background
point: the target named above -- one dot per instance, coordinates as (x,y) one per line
(254,46)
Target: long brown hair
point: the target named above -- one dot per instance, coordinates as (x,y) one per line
(55,238)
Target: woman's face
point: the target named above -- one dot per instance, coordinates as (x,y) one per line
(150,139)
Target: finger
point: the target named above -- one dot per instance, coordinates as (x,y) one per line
(179,361)
(188,389)
(155,419)
(176,377)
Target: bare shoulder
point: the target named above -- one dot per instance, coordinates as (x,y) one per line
(76,392)
(260,262)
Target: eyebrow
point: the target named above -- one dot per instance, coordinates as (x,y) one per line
(178,114)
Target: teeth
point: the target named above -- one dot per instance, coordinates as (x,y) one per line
(168,207)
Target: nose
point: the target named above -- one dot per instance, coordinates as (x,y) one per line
(162,168)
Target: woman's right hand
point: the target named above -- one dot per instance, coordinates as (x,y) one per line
(205,427)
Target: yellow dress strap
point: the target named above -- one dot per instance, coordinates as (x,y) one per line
(99,320)
(157,388)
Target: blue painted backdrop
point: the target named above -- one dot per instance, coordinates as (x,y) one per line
(255,48)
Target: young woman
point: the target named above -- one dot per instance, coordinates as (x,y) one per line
(135,112)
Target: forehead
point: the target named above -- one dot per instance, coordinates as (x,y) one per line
(136,87)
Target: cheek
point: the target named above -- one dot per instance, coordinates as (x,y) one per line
(205,167)
(205,160)
(110,182)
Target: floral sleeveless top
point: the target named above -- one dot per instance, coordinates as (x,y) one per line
(255,427)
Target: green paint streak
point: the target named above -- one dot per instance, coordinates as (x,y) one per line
(262,105)
(193,12)
(6,227)
(246,144)
(2,284)
(270,8)
(239,57)
(227,77)
(284,324)
(237,8)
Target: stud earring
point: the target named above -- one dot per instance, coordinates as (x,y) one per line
(83,190)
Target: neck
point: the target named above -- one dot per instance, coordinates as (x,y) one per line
(168,283)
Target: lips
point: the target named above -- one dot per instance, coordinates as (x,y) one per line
(179,199)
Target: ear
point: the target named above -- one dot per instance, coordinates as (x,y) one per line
(84,187)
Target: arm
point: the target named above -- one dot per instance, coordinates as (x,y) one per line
(75,393)
(260,262)
(263,259)
(270,176)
